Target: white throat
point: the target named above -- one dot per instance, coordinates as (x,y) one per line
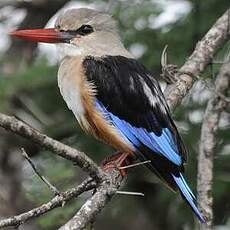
(66,49)
(98,50)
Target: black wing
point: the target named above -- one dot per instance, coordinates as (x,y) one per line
(127,91)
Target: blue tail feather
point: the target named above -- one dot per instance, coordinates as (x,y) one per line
(188,195)
(160,149)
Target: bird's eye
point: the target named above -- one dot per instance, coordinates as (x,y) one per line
(58,27)
(85,29)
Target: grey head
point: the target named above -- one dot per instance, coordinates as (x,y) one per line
(89,32)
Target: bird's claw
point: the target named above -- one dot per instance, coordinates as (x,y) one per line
(116,161)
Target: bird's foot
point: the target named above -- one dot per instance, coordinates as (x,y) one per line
(117,161)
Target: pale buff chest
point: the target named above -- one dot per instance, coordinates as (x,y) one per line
(70,82)
(79,97)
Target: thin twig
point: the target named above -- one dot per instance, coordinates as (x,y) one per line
(81,159)
(203,54)
(170,73)
(198,61)
(134,165)
(96,203)
(50,186)
(57,201)
(130,193)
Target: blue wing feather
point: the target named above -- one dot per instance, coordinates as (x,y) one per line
(132,101)
(188,195)
(163,144)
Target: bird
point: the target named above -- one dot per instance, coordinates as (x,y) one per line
(114,97)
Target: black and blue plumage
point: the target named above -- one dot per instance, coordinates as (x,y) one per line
(131,100)
(113,96)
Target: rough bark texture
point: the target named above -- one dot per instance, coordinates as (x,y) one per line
(109,183)
(208,143)
(57,201)
(95,204)
(198,61)
(65,151)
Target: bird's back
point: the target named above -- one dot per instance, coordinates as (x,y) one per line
(117,100)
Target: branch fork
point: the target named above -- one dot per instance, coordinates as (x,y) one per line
(108,183)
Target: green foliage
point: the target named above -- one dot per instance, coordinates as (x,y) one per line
(35,77)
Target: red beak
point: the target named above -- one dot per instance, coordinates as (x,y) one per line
(50,35)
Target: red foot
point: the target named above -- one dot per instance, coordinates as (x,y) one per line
(117,161)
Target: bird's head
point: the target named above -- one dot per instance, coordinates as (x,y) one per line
(80,32)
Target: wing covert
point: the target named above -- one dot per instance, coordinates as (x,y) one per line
(133,101)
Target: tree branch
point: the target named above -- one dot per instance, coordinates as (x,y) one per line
(95,204)
(108,186)
(54,190)
(109,183)
(81,159)
(198,61)
(208,144)
(57,201)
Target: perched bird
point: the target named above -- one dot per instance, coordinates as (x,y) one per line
(113,96)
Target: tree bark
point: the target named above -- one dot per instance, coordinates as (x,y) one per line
(108,183)
(208,142)
(198,61)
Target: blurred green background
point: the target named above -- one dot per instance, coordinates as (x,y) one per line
(28,90)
